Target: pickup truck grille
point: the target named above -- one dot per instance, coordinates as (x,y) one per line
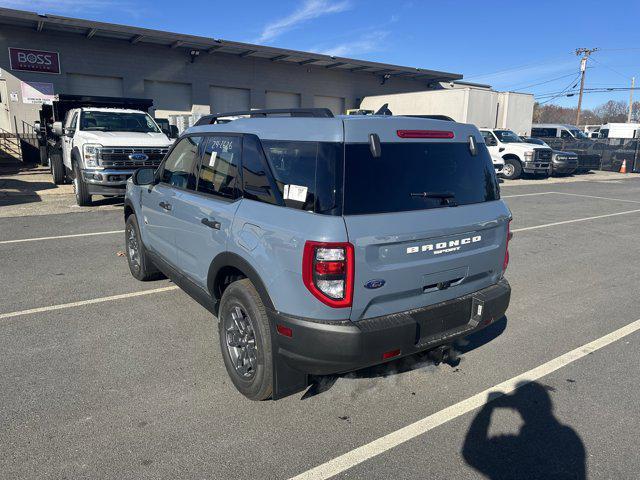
(120,157)
(543,155)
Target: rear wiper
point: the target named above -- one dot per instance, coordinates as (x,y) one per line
(446,197)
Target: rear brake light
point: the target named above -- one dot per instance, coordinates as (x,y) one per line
(425,134)
(327,272)
(505,264)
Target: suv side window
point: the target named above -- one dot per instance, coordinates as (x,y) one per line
(179,166)
(256,178)
(307,174)
(218,173)
(565,134)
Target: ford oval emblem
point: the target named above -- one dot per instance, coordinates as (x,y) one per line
(377,283)
(140,157)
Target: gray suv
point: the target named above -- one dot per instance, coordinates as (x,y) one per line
(324,244)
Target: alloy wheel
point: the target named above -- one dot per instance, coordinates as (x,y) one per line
(241,342)
(132,248)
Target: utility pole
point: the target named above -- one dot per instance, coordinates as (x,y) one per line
(585,52)
(633,84)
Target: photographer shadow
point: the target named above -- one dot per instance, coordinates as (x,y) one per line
(544,448)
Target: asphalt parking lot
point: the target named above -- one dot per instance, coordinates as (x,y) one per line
(106,377)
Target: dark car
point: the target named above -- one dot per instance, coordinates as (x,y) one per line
(562,163)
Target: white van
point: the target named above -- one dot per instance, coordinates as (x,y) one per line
(619,130)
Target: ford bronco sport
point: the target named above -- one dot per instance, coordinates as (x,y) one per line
(324,244)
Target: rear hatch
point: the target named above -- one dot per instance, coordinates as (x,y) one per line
(424,217)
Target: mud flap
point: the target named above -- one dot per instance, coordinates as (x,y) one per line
(286,380)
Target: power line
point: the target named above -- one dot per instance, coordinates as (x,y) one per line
(512,69)
(545,82)
(611,68)
(571,85)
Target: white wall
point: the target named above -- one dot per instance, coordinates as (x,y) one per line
(479,106)
(516,112)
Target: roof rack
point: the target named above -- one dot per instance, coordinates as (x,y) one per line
(263,113)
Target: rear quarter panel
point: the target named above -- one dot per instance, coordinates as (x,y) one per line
(271,239)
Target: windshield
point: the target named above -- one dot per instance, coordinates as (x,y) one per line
(578,133)
(416,176)
(507,136)
(117,122)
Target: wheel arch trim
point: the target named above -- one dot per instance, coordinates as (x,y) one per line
(230,259)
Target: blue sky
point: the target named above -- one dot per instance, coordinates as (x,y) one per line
(494,42)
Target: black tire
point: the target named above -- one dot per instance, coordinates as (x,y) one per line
(57,169)
(140,265)
(83,198)
(253,379)
(512,169)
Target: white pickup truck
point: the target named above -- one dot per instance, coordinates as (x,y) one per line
(102,147)
(518,156)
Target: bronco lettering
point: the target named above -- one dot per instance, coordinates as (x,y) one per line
(444,247)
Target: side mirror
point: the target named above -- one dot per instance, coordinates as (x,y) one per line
(173,131)
(56,128)
(144,176)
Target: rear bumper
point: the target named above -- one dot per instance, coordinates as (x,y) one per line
(323,348)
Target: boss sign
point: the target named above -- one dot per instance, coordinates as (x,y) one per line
(29,60)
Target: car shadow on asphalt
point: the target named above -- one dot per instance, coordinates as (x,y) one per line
(543,448)
(17,192)
(321,384)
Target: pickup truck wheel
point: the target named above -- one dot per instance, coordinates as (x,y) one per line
(245,340)
(83,198)
(140,265)
(512,169)
(57,168)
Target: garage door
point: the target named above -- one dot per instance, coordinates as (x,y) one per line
(99,85)
(282,100)
(335,104)
(168,97)
(226,99)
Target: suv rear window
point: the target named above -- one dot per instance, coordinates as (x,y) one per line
(308,174)
(386,184)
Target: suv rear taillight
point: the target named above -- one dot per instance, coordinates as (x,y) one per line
(327,272)
(505,264)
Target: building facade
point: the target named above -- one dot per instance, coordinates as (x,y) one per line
(184,75)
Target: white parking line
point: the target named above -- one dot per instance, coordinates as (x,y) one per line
(86,302)
(36,239)
(393,439)
(575,220)
(526,194)
(599,198)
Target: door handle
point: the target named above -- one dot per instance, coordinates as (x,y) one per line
(166,206)
(211,223)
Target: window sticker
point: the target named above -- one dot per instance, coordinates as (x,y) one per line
(212,159)
(295,192)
